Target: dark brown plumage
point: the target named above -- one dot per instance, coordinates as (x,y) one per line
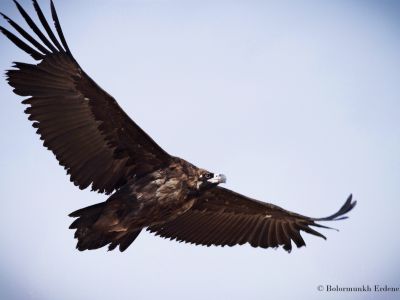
(100,146)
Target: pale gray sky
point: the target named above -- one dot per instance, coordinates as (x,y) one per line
(297,102)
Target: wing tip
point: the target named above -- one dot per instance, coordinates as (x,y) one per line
(53,42)
(17,4)
(5,17)
(340,214)
(36,55)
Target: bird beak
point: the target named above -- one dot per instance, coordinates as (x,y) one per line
(218,178)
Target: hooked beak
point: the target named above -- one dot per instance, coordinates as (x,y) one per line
(218,178)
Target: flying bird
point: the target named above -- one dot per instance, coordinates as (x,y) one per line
(101,147)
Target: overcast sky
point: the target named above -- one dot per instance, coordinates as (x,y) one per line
(297,102)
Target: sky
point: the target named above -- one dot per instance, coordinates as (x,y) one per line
(297,102)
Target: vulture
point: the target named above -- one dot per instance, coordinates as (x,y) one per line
(101,147)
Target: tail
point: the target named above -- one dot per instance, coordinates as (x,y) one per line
(102,224)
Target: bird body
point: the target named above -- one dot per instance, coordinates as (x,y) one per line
(153,199)
(101,147)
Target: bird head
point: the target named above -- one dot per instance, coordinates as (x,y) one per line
(207,179)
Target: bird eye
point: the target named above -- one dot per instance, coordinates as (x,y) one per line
(209,175)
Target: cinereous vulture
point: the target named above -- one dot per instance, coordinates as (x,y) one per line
(101,147)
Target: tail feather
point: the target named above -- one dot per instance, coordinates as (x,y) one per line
(95,227)
(124,242)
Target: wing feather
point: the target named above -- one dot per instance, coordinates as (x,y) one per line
(46,26)
(26,35)
(34,27)
(91,136)
(22,45)
(263,238)
(222,217)
(58,26)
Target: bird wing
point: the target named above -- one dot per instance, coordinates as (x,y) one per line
(222,217)
(90,135)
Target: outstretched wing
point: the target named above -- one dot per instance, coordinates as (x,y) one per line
(91,136)
(222,217)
